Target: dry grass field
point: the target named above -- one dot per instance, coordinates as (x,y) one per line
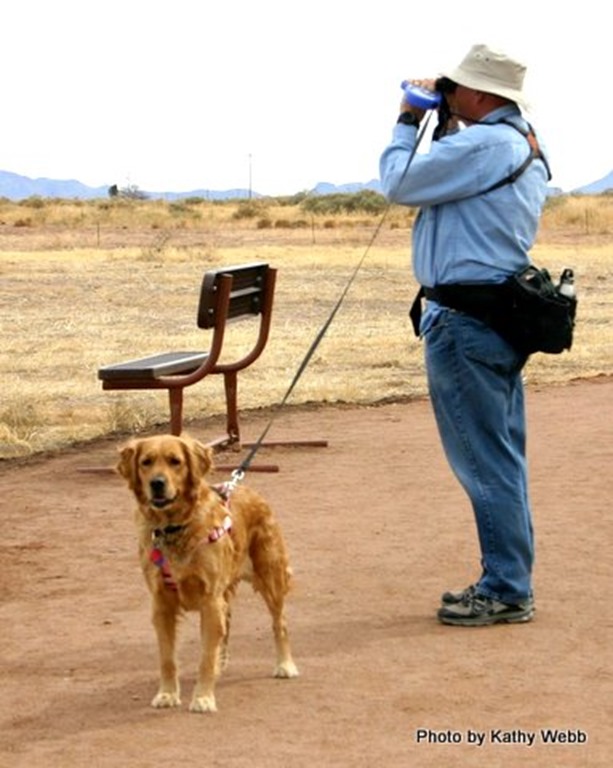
(87,284)
(376,524)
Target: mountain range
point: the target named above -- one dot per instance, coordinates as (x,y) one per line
(16,187)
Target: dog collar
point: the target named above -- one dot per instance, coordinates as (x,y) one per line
(223,490)
(167,531)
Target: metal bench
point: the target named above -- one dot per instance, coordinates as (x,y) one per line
(226,294)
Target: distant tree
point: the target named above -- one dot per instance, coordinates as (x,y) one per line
(131,192)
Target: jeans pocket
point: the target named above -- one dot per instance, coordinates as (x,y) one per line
(435,323)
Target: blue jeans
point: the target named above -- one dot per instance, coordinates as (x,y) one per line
(475,384)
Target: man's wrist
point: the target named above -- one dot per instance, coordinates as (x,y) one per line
(408,118)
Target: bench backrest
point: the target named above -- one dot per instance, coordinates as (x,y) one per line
(247,297)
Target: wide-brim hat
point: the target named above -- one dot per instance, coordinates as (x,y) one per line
(485,69)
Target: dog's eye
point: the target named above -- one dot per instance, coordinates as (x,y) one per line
(174,461)
(146,462)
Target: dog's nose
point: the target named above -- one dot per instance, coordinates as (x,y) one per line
(158,486)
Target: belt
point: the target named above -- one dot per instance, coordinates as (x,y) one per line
(415,311)
(480,300)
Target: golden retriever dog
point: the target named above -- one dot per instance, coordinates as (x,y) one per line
(195,546)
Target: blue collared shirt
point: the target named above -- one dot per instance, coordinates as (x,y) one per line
(460,235)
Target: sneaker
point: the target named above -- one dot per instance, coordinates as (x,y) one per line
(479,611)
(455,597)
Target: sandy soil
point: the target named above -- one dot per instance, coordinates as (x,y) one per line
(377,528)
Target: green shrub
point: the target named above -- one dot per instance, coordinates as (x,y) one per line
(365,201)
(33,202)
(249,209)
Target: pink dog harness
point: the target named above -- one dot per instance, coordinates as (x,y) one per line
(156,556)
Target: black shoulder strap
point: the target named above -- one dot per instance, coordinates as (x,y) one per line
(535,154)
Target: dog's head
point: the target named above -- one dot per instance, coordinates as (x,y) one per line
(164,471)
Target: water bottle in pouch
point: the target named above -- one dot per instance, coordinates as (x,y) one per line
(566,286)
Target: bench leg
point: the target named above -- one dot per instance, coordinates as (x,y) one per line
(175,399)
(231,387)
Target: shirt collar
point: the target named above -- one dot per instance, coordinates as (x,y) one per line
(502,113)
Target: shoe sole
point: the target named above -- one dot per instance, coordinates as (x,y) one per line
(486,621)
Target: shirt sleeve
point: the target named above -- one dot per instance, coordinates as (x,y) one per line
(457,166)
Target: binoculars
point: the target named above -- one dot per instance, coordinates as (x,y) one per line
(419,97)
(423,98)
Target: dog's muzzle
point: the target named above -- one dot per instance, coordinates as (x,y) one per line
(158,489)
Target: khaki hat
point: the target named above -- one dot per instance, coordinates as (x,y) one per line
(485,69)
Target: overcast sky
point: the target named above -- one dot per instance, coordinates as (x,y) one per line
(177,95)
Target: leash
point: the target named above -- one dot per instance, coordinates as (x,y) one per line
(239,473)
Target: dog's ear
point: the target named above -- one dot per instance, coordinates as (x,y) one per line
(199,460)
(128,456)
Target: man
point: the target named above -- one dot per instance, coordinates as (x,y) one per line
(481,188)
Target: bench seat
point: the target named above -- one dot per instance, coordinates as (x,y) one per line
(154,366)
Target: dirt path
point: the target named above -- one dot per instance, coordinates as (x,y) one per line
(377,528)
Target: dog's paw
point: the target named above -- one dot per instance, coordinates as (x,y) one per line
(286,670)
(203,704)
(165,700)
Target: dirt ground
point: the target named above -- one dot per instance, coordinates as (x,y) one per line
(377,528)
